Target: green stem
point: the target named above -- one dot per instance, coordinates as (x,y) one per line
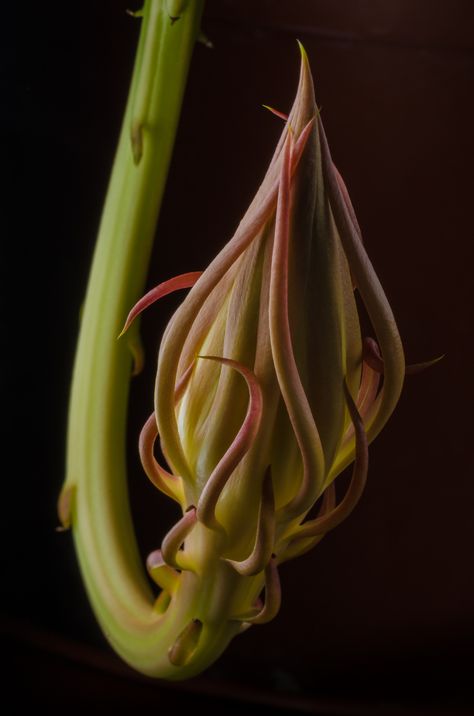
(94,497)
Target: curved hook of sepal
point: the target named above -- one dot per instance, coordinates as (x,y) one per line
(172,542)
(239,447)
(185,280)
(165,481)
(272,603)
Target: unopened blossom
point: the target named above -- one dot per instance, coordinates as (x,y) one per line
(266,390)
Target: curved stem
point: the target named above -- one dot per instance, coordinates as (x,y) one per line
(96,472)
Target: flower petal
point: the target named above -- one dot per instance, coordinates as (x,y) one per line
(276,112)
(240,445)
(259,212)
(372,293)
(166,482)
(331,519)
(162,574)
(170,547)
(289,380)
(272,598)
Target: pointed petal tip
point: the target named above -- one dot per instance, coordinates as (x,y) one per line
(185,280)
(276,112)
(415,368)
(304,54)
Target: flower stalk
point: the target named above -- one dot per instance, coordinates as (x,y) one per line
(94,499)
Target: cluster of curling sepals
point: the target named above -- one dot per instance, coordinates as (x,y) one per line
(265,391)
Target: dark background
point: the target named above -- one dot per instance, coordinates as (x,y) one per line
(379,617)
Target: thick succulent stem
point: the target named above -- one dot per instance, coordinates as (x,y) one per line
(94,498)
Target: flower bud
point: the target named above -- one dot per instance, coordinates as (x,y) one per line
(265,389)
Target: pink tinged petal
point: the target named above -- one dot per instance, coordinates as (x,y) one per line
(206,318)
(367,393)
(331,519)
(185,280)
(186,644)
(303,109)
(371,355)
(333,337)
(276,112)
(272,598)
(372,294)
(162,479)
(289,380)
(366,400)
(162,574)
(240,445)
(223,398)
(329,500)
(174,339)
(265,537)
(170,547)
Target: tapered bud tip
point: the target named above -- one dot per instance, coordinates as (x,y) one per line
(304,56)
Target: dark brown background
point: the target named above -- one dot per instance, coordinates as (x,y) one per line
(378,619)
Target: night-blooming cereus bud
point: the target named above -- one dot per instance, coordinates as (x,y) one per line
(266,390)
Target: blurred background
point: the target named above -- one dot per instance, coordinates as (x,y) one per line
(379,617)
